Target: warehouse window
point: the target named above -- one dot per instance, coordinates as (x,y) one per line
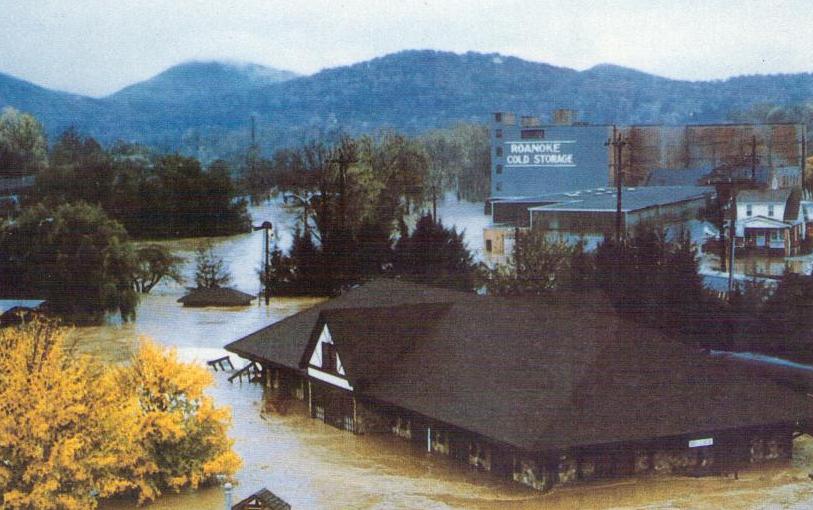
(499,152)
(499,169)
(532,134)
(498,133)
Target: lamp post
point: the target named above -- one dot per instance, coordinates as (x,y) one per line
(266,227)
(227,492)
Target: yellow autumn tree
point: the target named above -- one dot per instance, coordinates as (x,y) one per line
(179,429)
(63,425)
(73,431)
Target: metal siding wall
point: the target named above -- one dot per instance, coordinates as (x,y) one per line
(590,156)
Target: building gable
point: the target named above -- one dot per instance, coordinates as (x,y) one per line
(324,362)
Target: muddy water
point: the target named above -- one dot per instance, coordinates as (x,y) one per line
(314,466)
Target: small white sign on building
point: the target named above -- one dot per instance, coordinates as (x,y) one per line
(696,443)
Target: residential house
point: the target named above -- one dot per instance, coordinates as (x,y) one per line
(770,221)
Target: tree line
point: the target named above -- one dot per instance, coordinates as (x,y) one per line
(656,282)
(454,159)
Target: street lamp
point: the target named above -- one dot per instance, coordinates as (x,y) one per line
(266,227)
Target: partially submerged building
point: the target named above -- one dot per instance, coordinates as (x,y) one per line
(540,394)
(216,296)
(590,215)
(532,161)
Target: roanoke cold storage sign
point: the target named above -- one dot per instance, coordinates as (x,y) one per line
(550,153)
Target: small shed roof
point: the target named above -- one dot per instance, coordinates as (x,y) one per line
(263,499)
(216,296)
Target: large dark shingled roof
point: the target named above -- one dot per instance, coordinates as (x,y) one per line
(533,376)
(283,343)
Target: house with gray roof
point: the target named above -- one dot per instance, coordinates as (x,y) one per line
(771,221)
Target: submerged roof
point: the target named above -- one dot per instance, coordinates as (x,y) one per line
(544,377)
(216,296)
(8,304)
(262,499)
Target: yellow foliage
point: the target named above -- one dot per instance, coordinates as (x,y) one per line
(62,424)
(73,431)
(179,427)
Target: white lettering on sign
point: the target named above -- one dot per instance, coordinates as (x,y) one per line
(695,443)
(548,153)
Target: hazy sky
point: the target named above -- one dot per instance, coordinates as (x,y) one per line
(97,46)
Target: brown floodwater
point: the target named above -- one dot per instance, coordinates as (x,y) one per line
(314,466)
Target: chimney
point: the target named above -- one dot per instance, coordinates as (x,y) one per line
(528,121)
(564,117)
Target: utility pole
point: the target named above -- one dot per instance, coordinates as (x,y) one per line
(803,157)
(266,227)
(732,236)
(617,143)
(753,158)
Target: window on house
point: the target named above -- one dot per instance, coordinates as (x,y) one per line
(499,152)
(498,117)
(329,357)
(498,133)
(499,169)
(499,186)
(770,210)
(488,245)
(532,134)
(749,210)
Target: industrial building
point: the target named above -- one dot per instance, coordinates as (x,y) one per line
(522,389)
(590,215)
(532,162)
(529,158)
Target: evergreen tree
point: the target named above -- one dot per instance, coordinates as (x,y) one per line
(435,255)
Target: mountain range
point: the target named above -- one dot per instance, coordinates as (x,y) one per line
(208,104)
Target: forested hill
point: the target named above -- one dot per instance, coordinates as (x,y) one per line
(209,105)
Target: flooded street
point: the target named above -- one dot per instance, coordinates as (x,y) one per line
(314,466)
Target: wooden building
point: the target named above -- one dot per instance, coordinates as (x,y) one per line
(538,394)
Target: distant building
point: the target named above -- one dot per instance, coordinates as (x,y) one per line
(11,191)
(589,215)
(530,158)
(522,389)
(771,221)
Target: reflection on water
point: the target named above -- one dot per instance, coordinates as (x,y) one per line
(314,466)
